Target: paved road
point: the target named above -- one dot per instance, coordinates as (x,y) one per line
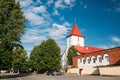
(62,77)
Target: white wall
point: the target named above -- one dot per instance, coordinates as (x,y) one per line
(104,62)
(75,40)
(64,59)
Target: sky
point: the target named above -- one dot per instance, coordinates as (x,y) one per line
(98,21)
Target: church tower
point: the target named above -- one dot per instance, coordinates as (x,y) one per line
(75,37)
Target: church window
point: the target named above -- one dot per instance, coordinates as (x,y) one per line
(88,61)
(78,38)
(106,57)
(94,60)
(100,59)
(83,60)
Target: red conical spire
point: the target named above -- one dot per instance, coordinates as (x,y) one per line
(75,31)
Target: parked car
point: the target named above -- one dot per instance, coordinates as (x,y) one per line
(54,73)
(50,73)
(58,73)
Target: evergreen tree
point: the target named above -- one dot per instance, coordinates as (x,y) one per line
(71,52)
(12,27)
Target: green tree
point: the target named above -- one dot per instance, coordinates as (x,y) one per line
(52,55)
(34,58)
(45,56)
(12,27)
(71,52)
(20,60)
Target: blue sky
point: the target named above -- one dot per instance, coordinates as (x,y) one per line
(98,20)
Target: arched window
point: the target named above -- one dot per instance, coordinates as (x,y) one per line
(88,60)
(99,58)
(93,59)
(106,57)
(83,60)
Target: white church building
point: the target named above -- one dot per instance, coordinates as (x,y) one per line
(88,55)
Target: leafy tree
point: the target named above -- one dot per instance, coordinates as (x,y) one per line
(52,55)
(71,52)
(20,60)
(12,27)
(34,58)
(46,56)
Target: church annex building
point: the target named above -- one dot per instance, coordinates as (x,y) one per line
(89,56)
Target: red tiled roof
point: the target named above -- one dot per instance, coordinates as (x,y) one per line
(75,31)
(87,49)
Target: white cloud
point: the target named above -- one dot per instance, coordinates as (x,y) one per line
(115,6)
(71,3)
(38,2)
(56,12)
(114,42)
(58,31)
(66,24)
(67,1)
(116,39)
(33,36)
(25,3)
(106,46)
(64,4)
(40,9)
(35,19)
(36,15)
(49,2)
(59,4)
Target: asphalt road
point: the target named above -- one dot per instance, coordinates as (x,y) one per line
(61,77)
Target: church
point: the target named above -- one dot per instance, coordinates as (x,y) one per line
(89,56)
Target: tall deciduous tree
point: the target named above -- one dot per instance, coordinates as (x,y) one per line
(52,55)
(12,27)
(20,60)
(34,58)
(46,56)
(71,52)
